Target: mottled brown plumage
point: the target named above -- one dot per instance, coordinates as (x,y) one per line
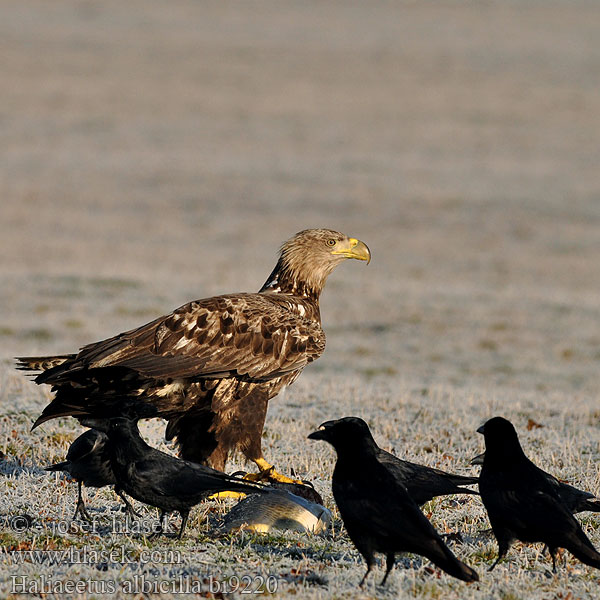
(211,366)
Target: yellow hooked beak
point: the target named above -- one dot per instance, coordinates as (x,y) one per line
(353,248)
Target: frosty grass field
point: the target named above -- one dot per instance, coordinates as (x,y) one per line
(153,153)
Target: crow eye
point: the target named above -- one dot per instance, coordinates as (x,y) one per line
(331,242)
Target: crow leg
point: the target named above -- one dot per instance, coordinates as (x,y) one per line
(129,510)
(494,565)
(553,555)
(184,520)
(502,550)
(369,568)
(390,559)
(80,508)
(156,533)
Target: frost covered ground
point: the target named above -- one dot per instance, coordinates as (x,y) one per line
(153,153)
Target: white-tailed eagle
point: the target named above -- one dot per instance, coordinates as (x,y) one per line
(211,366)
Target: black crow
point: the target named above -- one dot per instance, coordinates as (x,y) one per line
(88,462)
(576,500)
(161,480)
(424,483)
(522,503)
(378,512)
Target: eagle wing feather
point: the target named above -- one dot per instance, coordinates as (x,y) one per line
(246,335)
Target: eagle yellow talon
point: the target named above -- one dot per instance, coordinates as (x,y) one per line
(268,473)
(261,476)
(224,495)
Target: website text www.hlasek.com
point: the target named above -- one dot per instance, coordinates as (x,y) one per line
(85,555)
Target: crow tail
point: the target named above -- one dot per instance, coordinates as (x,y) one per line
(61,466)
(591,505)
(582,549)
(445,560)
(245,487)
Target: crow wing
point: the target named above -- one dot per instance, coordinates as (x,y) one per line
(86,444)
(424,483)
(526,504)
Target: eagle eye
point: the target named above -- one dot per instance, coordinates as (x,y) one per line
(331,242)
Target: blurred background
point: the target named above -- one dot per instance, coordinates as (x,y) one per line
(156,152)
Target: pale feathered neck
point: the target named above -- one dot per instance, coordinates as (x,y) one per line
(299,272)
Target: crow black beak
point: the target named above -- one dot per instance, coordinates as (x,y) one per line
(481,429)
(319,434)
(478,460)
(99,424)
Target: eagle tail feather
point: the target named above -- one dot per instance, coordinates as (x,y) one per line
(41,363)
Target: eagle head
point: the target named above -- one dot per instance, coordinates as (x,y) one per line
(307,259)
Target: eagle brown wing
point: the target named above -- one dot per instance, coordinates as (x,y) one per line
(245,335)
